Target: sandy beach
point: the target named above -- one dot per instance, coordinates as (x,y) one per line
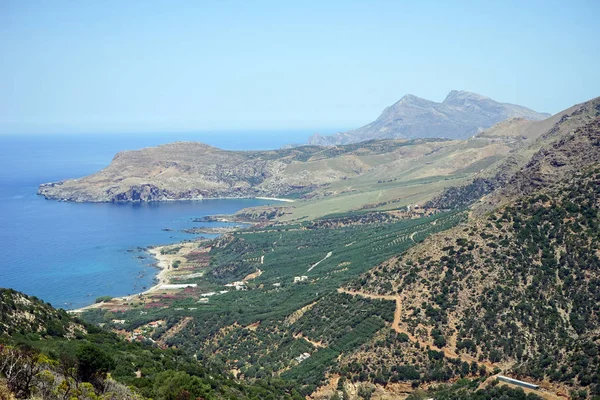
(276,199)
(164,263)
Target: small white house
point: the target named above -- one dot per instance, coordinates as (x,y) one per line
(302,357)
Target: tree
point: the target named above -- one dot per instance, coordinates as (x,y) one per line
(365,391)
(177,385)
(20,367)
(93,364)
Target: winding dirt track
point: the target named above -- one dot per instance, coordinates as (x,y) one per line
(314,343)
(547,392)
(412,237)
(396,326)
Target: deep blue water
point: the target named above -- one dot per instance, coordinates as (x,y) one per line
(68,254)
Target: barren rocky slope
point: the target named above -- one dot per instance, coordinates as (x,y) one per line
(190,170)
(461,115)
(21,313)
(536,135)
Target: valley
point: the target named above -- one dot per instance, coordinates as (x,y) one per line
(438,267)
(408,321)
(308,200)
(230,303)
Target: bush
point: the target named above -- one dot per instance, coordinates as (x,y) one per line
(102,299)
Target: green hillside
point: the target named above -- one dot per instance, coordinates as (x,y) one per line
(519,287)
(40,360)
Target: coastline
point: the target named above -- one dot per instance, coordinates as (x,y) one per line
(275,199)
(60,199)
(164,262)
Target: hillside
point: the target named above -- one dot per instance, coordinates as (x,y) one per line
(461,115)
(47,354)
(490,160)
(389,302)
(371,170)
(519,286)
(20,314)
(536,135)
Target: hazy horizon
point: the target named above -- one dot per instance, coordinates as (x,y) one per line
(147,66)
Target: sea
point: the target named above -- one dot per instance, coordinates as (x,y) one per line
(68,254)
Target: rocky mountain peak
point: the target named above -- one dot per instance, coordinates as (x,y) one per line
(407,98)
(410,100)
(460,96)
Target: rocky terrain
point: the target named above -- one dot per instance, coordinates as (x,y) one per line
(536,135)
(461,115)
(191,170)
(20,313)
(499,276)
(517,286)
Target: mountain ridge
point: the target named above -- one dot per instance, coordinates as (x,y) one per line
(460,115)
(517,285)
(191,170)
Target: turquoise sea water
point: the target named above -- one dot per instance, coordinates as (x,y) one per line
(68,254)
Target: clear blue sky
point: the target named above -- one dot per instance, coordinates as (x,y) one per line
(119,66)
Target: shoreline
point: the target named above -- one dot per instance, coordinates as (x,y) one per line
(274,199)
(163,263)
(163,200)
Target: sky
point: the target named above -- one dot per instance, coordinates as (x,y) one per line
(161,66)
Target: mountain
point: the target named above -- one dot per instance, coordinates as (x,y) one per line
(498,274)
(461,115)
(538,134)
(190,170)
(516,287)
(381,174)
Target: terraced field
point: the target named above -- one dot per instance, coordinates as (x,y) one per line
(270,326)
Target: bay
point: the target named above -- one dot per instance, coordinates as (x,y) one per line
(68,254)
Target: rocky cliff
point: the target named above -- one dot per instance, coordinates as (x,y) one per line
(190,170)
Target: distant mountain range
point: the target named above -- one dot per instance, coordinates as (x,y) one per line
(461,115)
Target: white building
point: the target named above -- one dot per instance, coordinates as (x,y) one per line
(302,357)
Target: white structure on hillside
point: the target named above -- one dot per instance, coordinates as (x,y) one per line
(517,382)
(181,286)
(302,357)
(239,285)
